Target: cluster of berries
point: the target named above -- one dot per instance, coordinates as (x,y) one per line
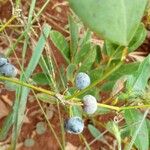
(6,68)
(75,124)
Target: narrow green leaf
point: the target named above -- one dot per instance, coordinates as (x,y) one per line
(76,111)
(88,60)
(95,132)
(82,53)
(73,27)
(114,129)
(140,78)
(61,43)
(20,106)
(6,126)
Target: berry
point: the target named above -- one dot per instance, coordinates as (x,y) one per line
(3,61)
(29,142)
(41,128)
(74,125)
(90,104)
(8,70)
(82,80)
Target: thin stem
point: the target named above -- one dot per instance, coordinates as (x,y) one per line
(27,85)
(116,108)
(7,23)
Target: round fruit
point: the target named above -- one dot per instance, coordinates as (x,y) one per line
(74,125)
(41,128)
(90,104)
(29,142)
(82,80)
(3,61)
(8,70)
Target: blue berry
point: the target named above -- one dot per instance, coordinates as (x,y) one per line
(8,70)
(29,142)
(41,128)
(90,104)
(74,125)
(82,80)
(3,60)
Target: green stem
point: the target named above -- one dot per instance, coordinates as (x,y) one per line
(27,85)
(116,108)
(7,23)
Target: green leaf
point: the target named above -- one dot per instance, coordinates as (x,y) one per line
(61,43)
(109,48)
(11,86)
(114,129)
(82,53)
(95,74)
(6,126)
(95,132)
(88,60)
(70,72)
(140,78)
(114,20)
(102,110)
(41,79)
(138,128)
(126,69)
(22,92)
(138,38)
(76,111)
(73,27)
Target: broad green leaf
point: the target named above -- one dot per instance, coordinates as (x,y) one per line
(138,128)
(73,27)
(114,20)
(41,79)
(61,43)
(47,98)
(138,38)
(95,132)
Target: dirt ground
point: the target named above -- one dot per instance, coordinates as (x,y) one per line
(56,16)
